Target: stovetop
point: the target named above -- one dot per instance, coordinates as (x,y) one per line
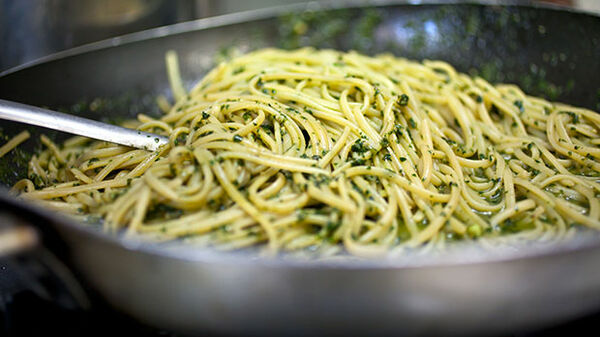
(33,302)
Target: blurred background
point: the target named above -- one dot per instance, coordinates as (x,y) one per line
(30,29)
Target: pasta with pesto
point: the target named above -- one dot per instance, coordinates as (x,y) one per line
(337,153)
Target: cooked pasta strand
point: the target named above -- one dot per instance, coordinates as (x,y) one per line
(338,153)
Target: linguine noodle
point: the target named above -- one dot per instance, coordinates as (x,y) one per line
(337,153)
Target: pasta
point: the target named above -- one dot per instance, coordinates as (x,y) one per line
(336,153)
(14,142)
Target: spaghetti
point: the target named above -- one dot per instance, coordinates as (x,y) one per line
(337,153)
(14,142)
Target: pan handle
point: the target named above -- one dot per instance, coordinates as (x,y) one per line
(20,240)
(17,239)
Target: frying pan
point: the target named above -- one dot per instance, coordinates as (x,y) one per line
(549,51)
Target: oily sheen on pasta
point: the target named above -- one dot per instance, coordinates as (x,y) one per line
(335,153)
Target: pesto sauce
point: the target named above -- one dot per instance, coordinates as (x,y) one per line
(476,28)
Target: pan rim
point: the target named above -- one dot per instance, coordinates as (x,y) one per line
(459,256)
(269,13)
(193,254)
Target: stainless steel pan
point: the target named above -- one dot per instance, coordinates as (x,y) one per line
(551,52)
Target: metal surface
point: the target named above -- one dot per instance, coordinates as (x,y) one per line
(31,29)
(458,293)
(59,121)
(16,240)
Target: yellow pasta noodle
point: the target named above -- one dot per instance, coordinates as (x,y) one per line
(337,153)
(14,142)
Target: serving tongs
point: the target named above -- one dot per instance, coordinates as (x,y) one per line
(59,121)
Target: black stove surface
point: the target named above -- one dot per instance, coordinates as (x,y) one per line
(35,303)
